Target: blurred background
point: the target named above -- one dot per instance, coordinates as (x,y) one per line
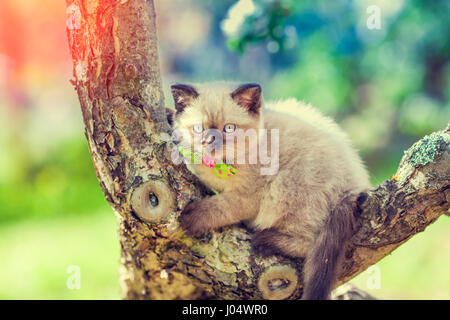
(386,82)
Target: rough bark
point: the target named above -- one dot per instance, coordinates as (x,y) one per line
(117,78)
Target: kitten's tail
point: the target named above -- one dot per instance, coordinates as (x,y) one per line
(322,263)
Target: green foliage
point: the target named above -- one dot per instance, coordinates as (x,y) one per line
(61,183)
(265,24)
(324,53)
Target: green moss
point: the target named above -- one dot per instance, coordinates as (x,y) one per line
(425,150)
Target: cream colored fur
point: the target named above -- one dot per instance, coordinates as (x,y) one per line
(317,167)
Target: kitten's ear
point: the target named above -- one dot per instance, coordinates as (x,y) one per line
(249,97)
(183,95)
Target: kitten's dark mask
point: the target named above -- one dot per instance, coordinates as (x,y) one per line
(214,113)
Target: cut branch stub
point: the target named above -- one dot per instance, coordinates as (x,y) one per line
(278,282)
(153,201)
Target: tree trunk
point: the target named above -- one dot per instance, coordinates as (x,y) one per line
(117,78)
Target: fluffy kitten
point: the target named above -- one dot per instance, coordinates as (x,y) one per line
(303,210)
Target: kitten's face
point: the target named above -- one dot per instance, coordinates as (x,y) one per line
(209,116)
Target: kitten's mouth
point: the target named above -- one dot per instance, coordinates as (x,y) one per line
(209,161)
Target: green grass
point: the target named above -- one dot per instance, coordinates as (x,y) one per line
(35,256)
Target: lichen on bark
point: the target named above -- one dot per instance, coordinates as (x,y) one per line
(425,150)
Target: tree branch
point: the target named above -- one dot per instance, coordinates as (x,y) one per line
(117,78)
(402,206)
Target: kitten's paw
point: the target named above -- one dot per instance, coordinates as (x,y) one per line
(262,244)
(193,220)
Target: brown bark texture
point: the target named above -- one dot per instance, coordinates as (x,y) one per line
(117,77)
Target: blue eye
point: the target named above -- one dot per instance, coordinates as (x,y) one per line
(198,128)
(229,128)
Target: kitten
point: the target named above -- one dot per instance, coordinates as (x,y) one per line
(305,209)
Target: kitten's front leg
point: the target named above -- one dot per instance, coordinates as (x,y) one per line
(196,218)
(220,210)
